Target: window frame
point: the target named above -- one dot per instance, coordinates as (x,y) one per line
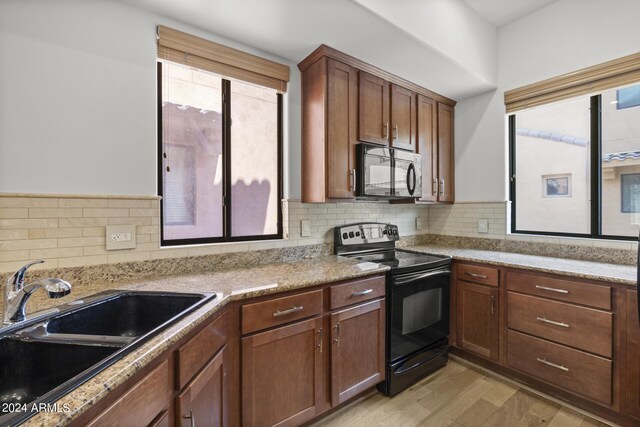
(595,156)
(226,175)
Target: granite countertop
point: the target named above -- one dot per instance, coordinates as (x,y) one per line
(241,283)
(228,285)
(613,273)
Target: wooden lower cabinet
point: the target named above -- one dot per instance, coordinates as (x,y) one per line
(478,321)
(633,355)
(357,350)
(204,400)
(282,375)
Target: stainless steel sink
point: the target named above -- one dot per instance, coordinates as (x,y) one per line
(46,358)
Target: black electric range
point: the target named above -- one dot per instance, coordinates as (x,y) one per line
(417,301)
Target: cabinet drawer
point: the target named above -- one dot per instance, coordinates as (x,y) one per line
(277,311)
(142,404)
(478,274)
(580,327)
(192,356)
(357,291)
(570,369)
(559,289)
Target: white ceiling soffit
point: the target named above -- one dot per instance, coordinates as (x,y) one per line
(502,12)
(292,29)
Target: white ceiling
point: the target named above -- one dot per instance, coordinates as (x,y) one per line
(439,44)
(502,12)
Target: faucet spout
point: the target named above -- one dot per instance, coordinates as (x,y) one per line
(17,293)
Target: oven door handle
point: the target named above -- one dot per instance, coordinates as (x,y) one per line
(403,280)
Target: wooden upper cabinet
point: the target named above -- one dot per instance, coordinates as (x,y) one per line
(373,107)
(403,118)
(204,400)
(341,130)
(478,319)
(445,153)
(357,350)
(633,355)
(427,146)
(282,374)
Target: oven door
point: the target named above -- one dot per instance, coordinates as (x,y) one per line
(374,171)
(419,311)
(407,173)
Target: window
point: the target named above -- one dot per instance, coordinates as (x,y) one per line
(587,151)
(556,185)
(628,97)
(220,157)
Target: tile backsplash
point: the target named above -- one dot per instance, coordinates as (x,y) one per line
(69,230)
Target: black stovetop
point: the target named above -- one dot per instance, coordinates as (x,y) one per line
(403,259)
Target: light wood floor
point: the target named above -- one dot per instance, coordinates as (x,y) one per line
(459,395)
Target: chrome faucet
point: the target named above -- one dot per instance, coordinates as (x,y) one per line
(17,294)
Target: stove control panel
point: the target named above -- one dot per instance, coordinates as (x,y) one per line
(365,232)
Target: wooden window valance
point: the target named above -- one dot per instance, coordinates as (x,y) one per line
(608,75)
(176,46)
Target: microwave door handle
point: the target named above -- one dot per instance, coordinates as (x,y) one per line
(411,173)
(403,280)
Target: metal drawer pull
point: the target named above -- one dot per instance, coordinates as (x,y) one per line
(442,186)
(478,276)
(291,310)
(386,130)
(320,344)
(553,365)
(337,338)
(435,187)
(395,132)
(191,418)
(542,319)
(545,288)
(360,293)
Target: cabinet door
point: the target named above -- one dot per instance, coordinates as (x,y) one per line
(478,320)
(357,350)
(373,109)
(282,375)
(427,127)
(204,400)
(633,355)
(445,153)
(403,118)
(341,130)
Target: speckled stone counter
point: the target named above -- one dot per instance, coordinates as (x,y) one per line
(613,273)
(229,285)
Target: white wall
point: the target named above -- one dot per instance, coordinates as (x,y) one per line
(563,37)
(78,98)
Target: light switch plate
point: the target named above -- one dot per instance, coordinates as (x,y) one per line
(120,237)
(305,228)
(483,226)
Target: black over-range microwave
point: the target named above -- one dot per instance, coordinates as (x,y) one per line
(387,173)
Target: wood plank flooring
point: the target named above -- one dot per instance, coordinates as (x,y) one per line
(459,395)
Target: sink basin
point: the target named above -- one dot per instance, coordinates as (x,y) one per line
(30,370)
(125,315)
(45,358)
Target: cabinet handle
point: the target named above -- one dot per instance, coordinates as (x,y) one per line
(360,293)
(493,305)
(545,288)
(434,189)
(477,276)
(553,365)
(289,311)
(386,130)
(395,132)
(191,418)
(320,344)
(337,339)
(352,174)
(561,324)
(442,186)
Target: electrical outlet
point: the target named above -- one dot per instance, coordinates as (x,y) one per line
(419,224)
(305,228)
(120,237)
(483,226)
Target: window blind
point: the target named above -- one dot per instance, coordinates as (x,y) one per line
(608,75)
(176,46)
